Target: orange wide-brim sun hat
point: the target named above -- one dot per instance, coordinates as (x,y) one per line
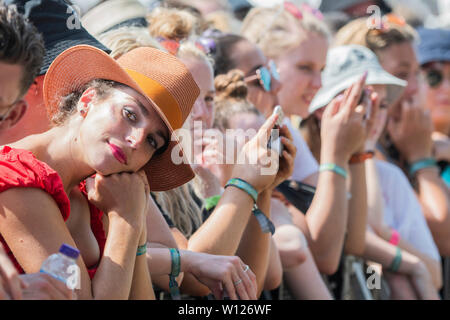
(159,76)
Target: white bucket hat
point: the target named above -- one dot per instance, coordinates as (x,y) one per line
(345,65)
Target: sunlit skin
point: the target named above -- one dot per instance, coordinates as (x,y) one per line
(244,121)
(400,60)
(249,58)
(203,109)
(438,98)
(110,134)
(300,71)
(11,107)
(35,119)
(124,119)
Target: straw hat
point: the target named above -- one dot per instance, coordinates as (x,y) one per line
(155,74)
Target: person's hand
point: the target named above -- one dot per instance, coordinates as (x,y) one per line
(255,164)
(411,134)
(10,284)
(286,160)
(423,284)
(221,273)
(41,286)
(343,125)
(215,158)
(123,194)
(441,146)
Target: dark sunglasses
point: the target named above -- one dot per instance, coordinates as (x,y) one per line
(434,77)
(265,75)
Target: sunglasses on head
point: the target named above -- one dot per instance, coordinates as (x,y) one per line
(172,46)
(265,75)
(297,12)
(387,22)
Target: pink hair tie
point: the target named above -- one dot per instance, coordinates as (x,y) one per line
(395,237)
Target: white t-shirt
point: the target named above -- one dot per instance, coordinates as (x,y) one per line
(402,210)
(304,164)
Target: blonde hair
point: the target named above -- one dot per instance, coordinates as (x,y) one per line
(173,24)
(223,21)
(357,32)
(276,30)
(231,98)
(181,208)
(127,38)
(310,130)
(181,26)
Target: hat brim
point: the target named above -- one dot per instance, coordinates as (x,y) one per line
(81,64)
(56,47)
(395,87)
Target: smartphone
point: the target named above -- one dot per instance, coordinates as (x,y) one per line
(366,102)
(274,142)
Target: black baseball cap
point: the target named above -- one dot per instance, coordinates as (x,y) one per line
(60,26)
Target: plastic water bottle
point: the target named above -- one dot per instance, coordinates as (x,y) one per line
(63,266)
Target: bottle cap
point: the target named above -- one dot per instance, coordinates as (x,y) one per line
(69,251)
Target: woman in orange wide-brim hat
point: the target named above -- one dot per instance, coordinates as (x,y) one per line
(114,119)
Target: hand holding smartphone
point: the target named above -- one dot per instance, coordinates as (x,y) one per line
(274,142)
(365,101)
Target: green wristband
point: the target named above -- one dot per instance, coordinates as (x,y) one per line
(395,265)
(174,272)
(333,167)
(243,185)
(141,250)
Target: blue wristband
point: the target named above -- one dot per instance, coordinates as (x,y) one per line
(243,185)
(333,167)
(421,164)
(264,222)
(395,265)
(141,250)
(174,272)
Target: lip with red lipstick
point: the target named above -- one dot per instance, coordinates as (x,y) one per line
(118,153)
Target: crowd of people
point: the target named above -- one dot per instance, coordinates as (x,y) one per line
(148,135)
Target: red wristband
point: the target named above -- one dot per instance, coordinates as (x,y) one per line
(361,157)
(395,237)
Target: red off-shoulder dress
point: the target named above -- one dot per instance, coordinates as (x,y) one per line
(20,169)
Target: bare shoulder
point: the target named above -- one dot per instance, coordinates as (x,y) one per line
(32,225)
(21,201)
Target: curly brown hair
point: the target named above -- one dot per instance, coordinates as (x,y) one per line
(21,44)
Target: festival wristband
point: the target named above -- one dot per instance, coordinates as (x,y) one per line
(395,237)
(333,167)
(395,265)
(174,272)
(243,185)
(141,250)
(264,222)
(421,164)
(361,157)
